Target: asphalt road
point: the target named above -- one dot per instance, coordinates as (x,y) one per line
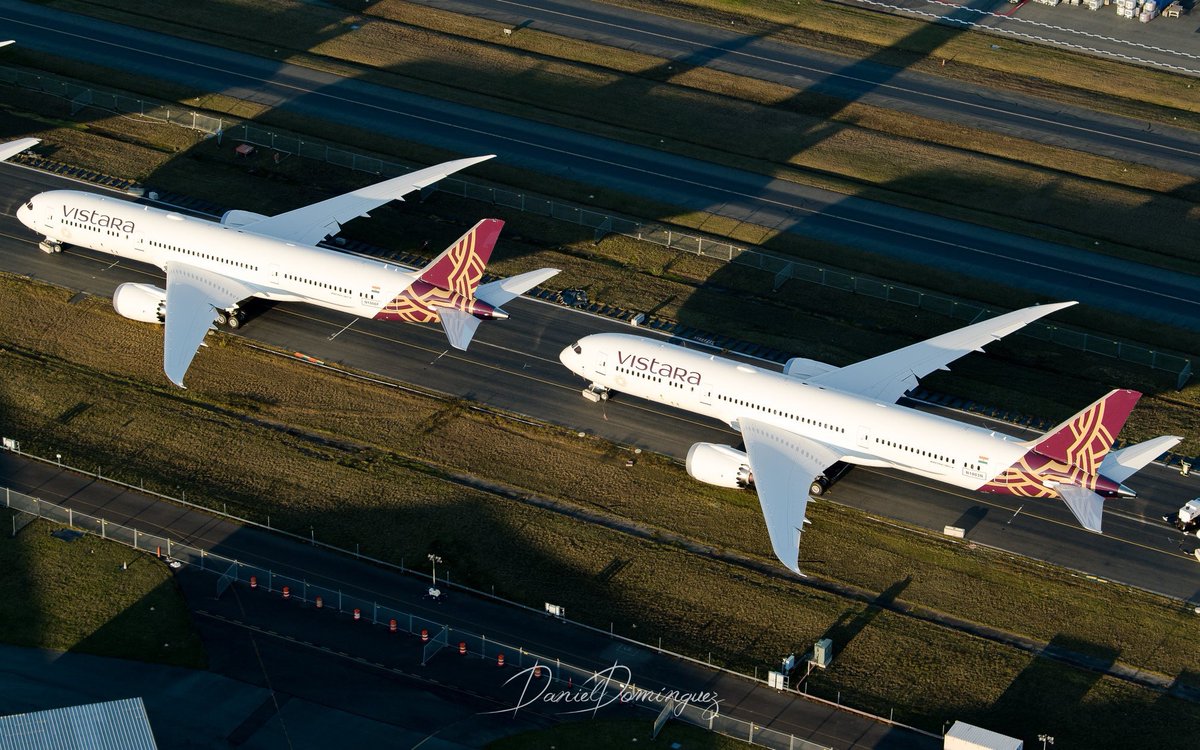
(815,71)
(1046,268)
(514,365)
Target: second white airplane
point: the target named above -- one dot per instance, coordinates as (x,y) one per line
(213,266)
(802,428)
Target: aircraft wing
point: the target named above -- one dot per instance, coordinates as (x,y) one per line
(313,223)
(193,297)
(783,465)
(12,148)
(887,377)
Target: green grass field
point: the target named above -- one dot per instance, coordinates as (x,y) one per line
(74,596)
(379,467)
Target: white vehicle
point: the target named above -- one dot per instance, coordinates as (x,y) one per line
(1188,517)
(213,266)
(803,426)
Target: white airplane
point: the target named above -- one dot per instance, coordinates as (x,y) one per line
(802,428)
(213,266)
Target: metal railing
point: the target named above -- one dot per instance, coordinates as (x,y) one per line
(781,268)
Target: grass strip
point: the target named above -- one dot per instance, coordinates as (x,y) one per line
(376,466)
(76,596)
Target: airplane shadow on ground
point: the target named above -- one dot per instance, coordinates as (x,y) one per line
(849,625)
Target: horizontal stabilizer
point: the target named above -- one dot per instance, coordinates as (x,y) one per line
(1120,465)
(460,326)
(496,293)
(12,148)
(1087,506)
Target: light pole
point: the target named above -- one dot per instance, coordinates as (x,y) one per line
(435,560)
(1046,740)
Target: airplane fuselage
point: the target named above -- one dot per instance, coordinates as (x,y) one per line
(283,271)
(864,431)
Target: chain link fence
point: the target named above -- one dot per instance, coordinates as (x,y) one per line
(781,268)
(435,636)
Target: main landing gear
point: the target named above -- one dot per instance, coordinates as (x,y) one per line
(822,482)
(232,319)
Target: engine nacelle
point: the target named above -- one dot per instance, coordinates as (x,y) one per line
(240,218)
(144,302)
(721,465)
(799,367)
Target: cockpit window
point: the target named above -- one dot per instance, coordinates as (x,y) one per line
(577,348)
(29,204)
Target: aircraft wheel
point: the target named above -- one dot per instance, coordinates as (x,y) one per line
(818,487)
(235,321)
(222,318)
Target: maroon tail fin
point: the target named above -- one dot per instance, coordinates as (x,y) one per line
(1086,438)
(460,267)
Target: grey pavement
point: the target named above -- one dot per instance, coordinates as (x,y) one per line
(1057,271)
(293,625)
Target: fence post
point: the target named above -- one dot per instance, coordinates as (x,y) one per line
(103,529)
(71,517)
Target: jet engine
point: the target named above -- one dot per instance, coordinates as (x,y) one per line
(721,465)
(144,302)
(239,218)
(799,367)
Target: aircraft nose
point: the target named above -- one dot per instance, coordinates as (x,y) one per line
(23,214)
(570,358)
